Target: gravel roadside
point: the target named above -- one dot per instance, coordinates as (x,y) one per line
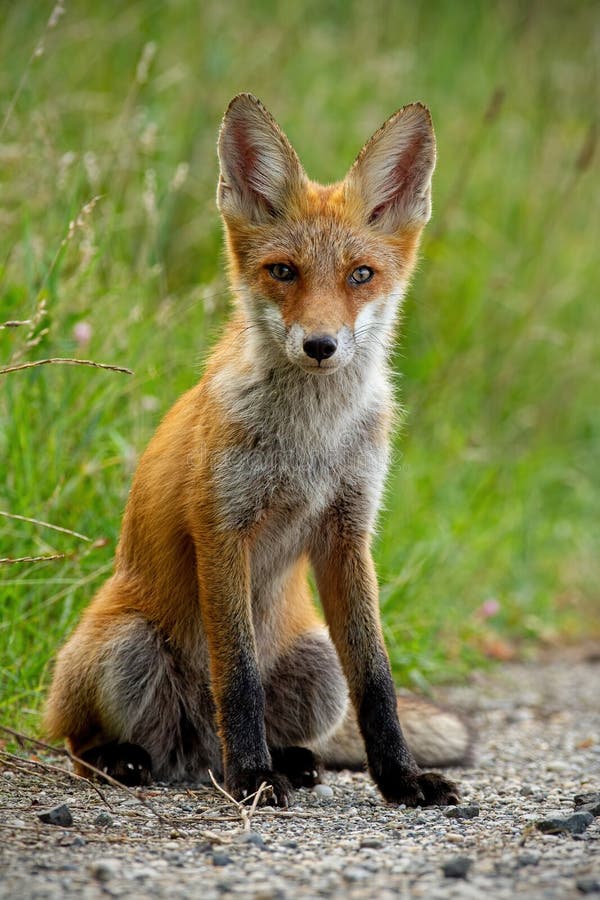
(538,748)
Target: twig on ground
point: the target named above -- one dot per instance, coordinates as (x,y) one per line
(24,738)
(244,812)
(59,770)
(60,528)
(109,838)
(66,360)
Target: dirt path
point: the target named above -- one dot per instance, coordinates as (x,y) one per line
(539,746)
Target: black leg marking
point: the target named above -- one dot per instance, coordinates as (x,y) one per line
(299,764)
(246,754)
(390,761)
(242,784)
(127,763)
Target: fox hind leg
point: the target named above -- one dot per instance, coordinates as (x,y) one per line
(146,710)
(128,763)
(306,698)
(299,764)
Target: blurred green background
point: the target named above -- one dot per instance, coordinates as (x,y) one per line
(489,541)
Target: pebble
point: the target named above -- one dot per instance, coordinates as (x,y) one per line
(589,802)
(371,843)
(221,859)
(462,812)
(103,819)
(575,824)
(104,869)
(457,867)
(588,885)
(252,837)
(58,815)
(144,872)
(528,859)
(323,791)
(355,873)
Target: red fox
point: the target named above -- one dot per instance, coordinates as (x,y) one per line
(204,650)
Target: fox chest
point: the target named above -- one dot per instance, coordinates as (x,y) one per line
(280,496)
(258,484)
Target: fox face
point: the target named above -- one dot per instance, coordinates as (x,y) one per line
(320,270)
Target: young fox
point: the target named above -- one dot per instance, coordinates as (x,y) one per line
(204,649)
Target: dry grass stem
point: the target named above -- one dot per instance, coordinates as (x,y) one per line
(67,361)
(18,762)
(32,521)
(10,560)
(15,323)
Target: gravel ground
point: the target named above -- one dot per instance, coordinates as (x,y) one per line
(539,747)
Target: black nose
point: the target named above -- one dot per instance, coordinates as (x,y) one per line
(320,346)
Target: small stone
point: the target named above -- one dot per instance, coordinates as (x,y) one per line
(103,818)
(370,843)
(589,802)
(526,790)
(58,815)
(78,841)
(457,867)
(104,869)
(323,791)
(575,824)
(221,859)
(462,812)
(355,873)
(588,885)
(528,859)
(252,837)
(144,872)
(454,838)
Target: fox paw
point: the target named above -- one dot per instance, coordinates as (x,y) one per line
(279,791)
(127,763)
(422,789)
(298,764)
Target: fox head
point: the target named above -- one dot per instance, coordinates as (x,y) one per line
(320,270)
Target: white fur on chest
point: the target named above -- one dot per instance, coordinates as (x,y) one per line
(309,442)
(306,436)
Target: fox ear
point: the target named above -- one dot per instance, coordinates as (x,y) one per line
(391,177)
(260,170)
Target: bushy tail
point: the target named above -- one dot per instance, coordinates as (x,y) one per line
(436,737)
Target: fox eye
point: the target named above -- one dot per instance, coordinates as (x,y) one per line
(281,272)
(361,275)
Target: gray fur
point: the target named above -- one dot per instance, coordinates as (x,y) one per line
(159,701)
(306,694)
(162,701)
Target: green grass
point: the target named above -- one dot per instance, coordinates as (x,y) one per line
(494,491)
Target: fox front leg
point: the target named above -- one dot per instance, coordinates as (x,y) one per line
(348,589)
(224,587)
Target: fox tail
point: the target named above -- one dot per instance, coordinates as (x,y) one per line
(436,736)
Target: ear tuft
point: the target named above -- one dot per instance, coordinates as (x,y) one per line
(260,170)
(391,177)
